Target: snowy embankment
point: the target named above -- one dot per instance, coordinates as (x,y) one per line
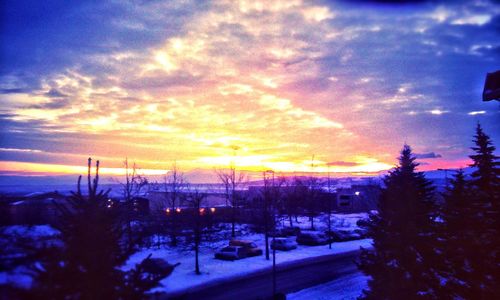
(213,270)
(22,275)
(348,287)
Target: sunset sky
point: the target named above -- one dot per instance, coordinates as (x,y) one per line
(266,84)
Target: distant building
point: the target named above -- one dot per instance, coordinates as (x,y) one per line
(161,200)
(35,211)
(357,198)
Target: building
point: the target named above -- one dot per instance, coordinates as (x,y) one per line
(357,198)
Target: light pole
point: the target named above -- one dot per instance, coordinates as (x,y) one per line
(273,205)
(329,211)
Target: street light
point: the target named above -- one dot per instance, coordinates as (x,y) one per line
(274,230)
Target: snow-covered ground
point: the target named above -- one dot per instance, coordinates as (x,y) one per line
(214,270)
(34,232)
(21,275)
(338,221)
(348,287)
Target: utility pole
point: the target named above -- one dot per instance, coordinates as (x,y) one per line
(329,211)
(273,204)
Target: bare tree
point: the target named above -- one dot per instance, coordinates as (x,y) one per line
(195,199)
(132,188)
(312,183)
(231,179)
(293,193)
(270,196)
(174,183)
(135,183)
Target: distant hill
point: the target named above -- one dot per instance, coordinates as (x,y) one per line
(435,174)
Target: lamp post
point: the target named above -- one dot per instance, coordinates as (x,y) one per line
(329,212)
(273,205)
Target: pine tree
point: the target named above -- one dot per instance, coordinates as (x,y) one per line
(87,264)
(485,185)
(400,264)
(456,234)
(486,176)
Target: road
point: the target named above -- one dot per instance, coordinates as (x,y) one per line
(291,277)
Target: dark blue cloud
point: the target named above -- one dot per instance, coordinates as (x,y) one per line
(427,155)
(39,38)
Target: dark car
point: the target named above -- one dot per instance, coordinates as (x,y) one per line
(291,231)
(231,253)
(312,238)
(283,244)
(285,232)
(345,235)
(250,247)
(158,266)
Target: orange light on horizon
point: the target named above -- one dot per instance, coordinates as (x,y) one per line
(51,169)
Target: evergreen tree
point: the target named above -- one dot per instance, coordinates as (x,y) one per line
(87,264)
(486,176)
(485,185)
(456,234)
(402,259)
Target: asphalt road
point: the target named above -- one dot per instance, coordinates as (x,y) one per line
(291,277)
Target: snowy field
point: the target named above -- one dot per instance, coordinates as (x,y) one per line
(212,270)
(348,287)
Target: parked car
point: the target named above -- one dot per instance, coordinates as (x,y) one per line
(250,247)
(363,223)
(283,244)
(277,233)
(312,238)
(285,232)
(345,235)
(157,266)
(231,253)
(291,231)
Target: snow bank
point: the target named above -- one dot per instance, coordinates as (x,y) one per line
(36,231)
(20,277)
(348,287)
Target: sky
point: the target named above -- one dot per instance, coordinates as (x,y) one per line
(292,86)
